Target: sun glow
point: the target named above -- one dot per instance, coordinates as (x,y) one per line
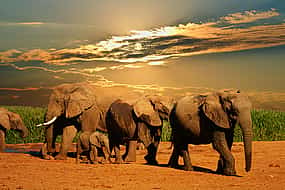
(152,46)
(156,63)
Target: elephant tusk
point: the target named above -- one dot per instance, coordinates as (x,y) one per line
(47,123)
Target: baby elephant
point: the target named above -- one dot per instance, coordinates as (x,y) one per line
(90,143)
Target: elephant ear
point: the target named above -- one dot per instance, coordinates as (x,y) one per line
(214,111)
(145,110)
(4,119)
(79,99)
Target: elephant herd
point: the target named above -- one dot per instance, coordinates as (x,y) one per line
(110,117)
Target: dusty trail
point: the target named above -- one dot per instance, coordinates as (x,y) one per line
(27,171)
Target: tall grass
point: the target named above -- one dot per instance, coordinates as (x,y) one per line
(267,125)
(31,116)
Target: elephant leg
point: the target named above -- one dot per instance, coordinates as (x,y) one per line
(173,161)
(127,150)
(93,154)
(131,151)
(48,148)
(2,140)
(51,135)
(69,133)
(78,151)
(45,153)
(221,145)
(152,148)
(106,155)
(229,138)
(118,159)
(186,158)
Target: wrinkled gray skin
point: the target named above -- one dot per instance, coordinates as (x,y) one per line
(78,107)
(211,118)
(142,121)
(89,145)
(10,120)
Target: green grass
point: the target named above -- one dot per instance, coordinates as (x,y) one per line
(31,116)
(267,126)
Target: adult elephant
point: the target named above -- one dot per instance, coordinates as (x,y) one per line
(211,118)
(75,107)
(10,120)
(142,120)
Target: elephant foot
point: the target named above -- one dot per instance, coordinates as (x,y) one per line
(173,166)
(188,168)
(118,161)
(105,162)
(229,172)
(93,162)
(129,159)
(48,157)
(140,146)
(150,160)
(222,169)
(60,157)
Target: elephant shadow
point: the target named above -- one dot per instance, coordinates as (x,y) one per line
(35,153)
(196,169)
(24,151)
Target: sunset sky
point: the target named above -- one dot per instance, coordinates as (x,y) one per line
(166,46)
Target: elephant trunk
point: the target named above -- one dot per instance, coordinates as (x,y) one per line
(20,127)
(24,132)
(246,127)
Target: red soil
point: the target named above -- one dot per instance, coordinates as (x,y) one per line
(28,171)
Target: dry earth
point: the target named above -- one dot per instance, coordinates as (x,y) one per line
(25,170)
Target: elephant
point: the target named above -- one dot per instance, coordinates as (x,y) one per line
(10,120)
(142,120)
(73,108)
(90,144)
(211,118)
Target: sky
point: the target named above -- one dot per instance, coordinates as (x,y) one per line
(164,46)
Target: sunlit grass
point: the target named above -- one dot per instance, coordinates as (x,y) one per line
(267,126)
(31,116)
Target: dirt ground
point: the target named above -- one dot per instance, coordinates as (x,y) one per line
(26,170)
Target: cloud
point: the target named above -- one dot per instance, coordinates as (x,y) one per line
(21,89)
(31,23)
(153,46)
(58,77)
(156,63)
(22,23)
(123,66)
(249,16)
(96,69)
